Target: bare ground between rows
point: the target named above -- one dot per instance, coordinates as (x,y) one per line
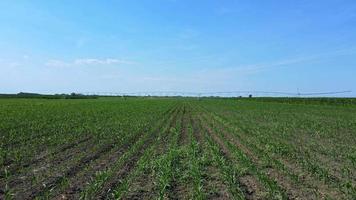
(48,158)
(25,141)
(77,184)
(313,183)
(249,184)
(125,170)
(13,167)
(179,190)
(74,169)
(23,185)
(28,190)
(198,136)
(333,166)
(143,186)
(213,186)
(293,190)
(334,162)
(183,137)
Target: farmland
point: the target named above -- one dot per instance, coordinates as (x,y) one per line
(176,148)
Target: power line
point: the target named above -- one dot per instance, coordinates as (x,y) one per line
(218,93)
(326,93)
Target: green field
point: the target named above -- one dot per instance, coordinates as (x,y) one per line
(177,148)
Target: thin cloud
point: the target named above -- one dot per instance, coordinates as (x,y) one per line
(93,61)
(224,75)
(255,68)
(11,64)
(56,63)
(272,65)
(87,62)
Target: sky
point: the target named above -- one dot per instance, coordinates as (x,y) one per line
(63,46)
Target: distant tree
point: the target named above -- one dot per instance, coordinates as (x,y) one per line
(250,96)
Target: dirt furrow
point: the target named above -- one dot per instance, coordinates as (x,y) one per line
(293,190)
(178,190)
(198,135)
(22,183)
(183,136)
(72,171)
(122,173)
(129,165)
(249,184)
(143,187)
(57,153)
(213,186)
(77,185)
(25,141)
(41,150)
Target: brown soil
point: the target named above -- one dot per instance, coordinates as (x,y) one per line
(179,190)
(78,183)
(14,169)
(130,164)
(143,186)
(249,184)
(315,189)
(71,172)
(252,187)
(22,183)
(183,137)
(213,185)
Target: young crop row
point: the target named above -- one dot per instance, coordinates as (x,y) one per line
(294,168)
(63,166)
(176,149)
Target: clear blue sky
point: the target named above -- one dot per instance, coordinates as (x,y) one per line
(183,45)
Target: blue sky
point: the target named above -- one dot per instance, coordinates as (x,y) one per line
(181,45)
